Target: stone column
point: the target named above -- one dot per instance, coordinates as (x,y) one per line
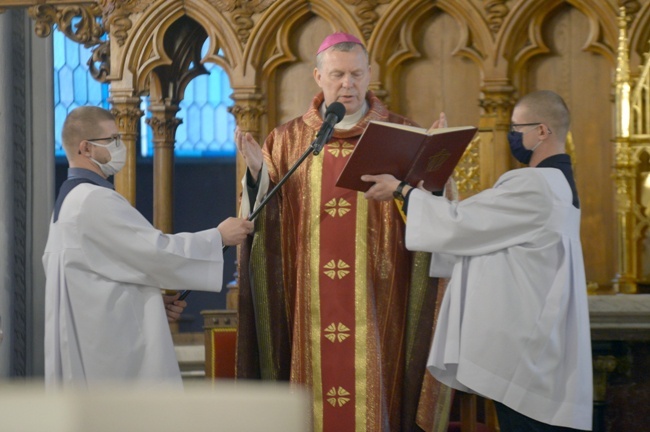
(40,184)
(497,102)
(163,122)
(6,192)
(127,112)
(26,190)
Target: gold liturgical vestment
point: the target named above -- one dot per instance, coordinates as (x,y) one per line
(329,296)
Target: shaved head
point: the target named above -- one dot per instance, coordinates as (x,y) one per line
(549,108)
(83,123)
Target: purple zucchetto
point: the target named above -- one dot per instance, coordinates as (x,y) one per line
(337,38)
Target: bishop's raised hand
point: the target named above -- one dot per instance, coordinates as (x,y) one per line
(251,151)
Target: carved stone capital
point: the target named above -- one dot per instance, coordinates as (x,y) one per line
(164,129)
(248,114)
(127,117)
(498,103)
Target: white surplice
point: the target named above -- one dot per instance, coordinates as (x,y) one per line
(105,266)
(514,321)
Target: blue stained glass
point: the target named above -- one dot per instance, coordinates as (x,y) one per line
(71,53)
(57,97)
(223,133)
(81,86)
(207,129)
(207,124)
(73,85)
(224,91)
(200,90)
(59,49)
(193,128)
(96,94)
(214,84)
(65,86)
(145,131)
(231,126)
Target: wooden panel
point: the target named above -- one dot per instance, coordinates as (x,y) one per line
(438,80)
(583,79)
(296,85)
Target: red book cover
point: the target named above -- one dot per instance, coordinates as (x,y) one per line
(407,152)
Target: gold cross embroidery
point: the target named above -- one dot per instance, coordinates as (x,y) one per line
(340,208)
(338,396)
(334,332)
(340,148)
(334,270)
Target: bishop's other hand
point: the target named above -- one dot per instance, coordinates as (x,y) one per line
(441,122)
(251,151)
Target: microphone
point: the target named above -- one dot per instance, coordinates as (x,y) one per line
(334,114)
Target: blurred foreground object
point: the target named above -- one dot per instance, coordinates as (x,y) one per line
(222,406)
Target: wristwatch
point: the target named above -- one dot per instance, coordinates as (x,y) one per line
(398,192)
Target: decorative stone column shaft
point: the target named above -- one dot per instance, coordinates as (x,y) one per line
(127,112)
(163,122)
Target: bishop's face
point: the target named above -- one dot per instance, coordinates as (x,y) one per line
(344,77)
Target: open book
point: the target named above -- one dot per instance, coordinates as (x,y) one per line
(407,152)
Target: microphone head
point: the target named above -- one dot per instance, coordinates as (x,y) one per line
(336,108)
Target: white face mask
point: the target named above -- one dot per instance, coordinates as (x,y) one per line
(117,150)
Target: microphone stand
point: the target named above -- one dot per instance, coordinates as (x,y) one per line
(315,147)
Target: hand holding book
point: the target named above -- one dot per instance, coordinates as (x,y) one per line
(407,153)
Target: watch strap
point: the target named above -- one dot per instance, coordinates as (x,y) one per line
(398,191)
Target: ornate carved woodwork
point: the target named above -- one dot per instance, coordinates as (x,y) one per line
(632,168)
(163,122)
(127,112)
(470,58)
(79,23)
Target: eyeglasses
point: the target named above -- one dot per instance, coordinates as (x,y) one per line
(514,126)
(116,136)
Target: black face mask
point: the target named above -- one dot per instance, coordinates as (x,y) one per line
(521,153)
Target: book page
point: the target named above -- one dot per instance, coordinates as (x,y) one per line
(420,130)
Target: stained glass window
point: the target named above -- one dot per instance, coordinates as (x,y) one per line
(73,85)
(207,129)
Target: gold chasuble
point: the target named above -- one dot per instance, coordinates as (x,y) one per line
(329,296)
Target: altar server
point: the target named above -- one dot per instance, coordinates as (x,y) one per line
(514,323)
(106,265)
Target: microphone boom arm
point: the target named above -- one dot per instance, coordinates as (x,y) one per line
(315,147)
